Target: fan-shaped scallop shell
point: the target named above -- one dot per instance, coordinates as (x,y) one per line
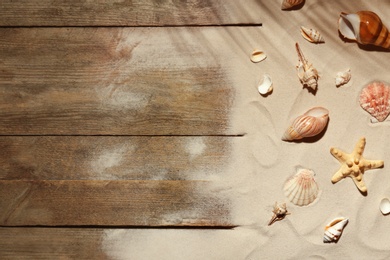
(311,35)
(288,4)
(334,229)
(301,188)
(375,99)
(309,124)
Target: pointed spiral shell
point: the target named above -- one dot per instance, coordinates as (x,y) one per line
(312,35)
(365,27)
(309,124)
(334,229)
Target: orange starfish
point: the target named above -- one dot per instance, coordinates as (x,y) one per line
(354,164)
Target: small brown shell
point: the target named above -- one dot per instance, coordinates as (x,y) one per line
(288,4)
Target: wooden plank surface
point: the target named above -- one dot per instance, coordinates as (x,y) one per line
(112,158)
(112,203)
(117,81)
(126,13)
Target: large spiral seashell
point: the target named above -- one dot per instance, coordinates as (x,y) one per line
(289,4)
(364,27)
(334,229)
(301,188)
(309,124)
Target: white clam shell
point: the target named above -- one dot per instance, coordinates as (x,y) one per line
(311,35)
(301,188)
(310,124)
(265,85)
(258,55)
(334,229)
(343,77)
(384,206)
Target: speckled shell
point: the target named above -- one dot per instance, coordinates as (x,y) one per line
(288,4)
(309,124)
(365,27)
(334,229)
(311,35)
(375,99)
(301,188)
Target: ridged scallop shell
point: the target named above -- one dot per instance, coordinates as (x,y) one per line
(375,99)
(343,77)
(309,124)
(258,55)
(311,35)
(265,85)
(288,4)
(334,229)
(364,27)
(307,74)
(301,188)
(384,206)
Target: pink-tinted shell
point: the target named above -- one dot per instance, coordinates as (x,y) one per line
(375,99)
(301,188)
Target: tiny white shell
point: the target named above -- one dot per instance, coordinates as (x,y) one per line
(258,55)
(265,85)
(384,206)
(301,188)
(311,35)
(334,229)
(343,77)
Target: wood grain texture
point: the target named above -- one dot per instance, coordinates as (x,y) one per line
(112,158)
(112,203)
(116,81)
(51,243)
(125,13)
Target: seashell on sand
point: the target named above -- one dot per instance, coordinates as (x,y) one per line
(364,27)
(301,188)
(343,77)
(307,74)
(280,212)
(375,99)
(265,85)
(384,206)
(289,4)
(311,35)
(311,123)
(334,229)
(258,56)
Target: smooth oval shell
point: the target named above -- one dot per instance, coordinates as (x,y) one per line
(384,206)
(309,124)
(334,229)
(265,85)
(311,35)
(301,188)
(258,56)
(375,99)
(343,77)
(364,27)
(288,4)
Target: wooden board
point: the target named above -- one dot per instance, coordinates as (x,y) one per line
(112,203)
(112,158)
(127,13)
(117,81)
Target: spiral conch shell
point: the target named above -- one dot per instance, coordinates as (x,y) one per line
(307,74)
(289,4)
(301,188)
(334,229)
(309,124)
(364,27)
(312,35)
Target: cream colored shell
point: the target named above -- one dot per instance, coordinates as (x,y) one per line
(265,85)
(307,74)
(258,55)
(384,206)
(334,229)
(343,77)
(312,35)
(301,188)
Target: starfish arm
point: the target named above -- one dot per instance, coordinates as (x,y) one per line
(338,175)
(359,148)
(372,164)
(339,155)
(359,183)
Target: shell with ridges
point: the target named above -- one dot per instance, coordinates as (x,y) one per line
(309,124)
(265,85)
(258,55)
(364,27)
(311,35)
(334,229)
(384,206)
(343,77)
(301,188)
(288,4)
(375,99)
(307,74)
